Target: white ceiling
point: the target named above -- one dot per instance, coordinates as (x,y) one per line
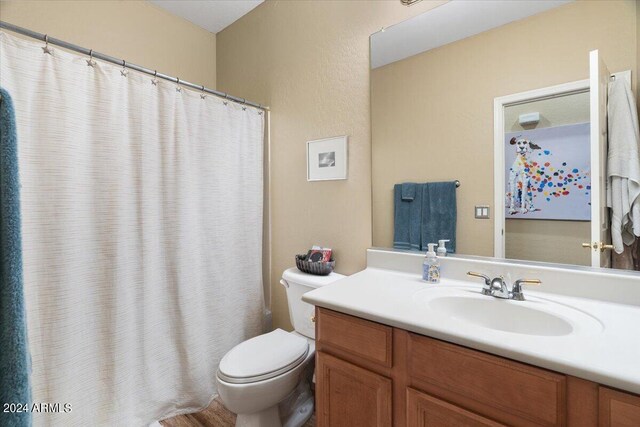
(448,23)
(212,15)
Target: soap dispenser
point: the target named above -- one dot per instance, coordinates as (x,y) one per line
(442,249)
(431,266)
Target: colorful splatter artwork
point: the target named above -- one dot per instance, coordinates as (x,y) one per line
(548,173)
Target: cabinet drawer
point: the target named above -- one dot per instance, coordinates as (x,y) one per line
(427,411)
(361,338)
(507,391)
(618,409)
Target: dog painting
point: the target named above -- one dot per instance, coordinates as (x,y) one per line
(547,173)
(520,196)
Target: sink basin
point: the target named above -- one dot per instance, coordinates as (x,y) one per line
(536,316)
(502,315)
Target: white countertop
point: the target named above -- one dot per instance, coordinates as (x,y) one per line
(609,354)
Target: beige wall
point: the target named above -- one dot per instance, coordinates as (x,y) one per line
(309,61)
(544,240)
(133,30)
(432,114)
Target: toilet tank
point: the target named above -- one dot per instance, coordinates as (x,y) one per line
(297,283)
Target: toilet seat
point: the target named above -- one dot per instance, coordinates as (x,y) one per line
(263,357)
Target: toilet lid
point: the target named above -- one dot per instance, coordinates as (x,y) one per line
(263,357)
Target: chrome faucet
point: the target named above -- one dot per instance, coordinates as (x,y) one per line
(497,287)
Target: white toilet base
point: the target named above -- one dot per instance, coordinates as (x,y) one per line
(267,418)
(260,403)
(297,408)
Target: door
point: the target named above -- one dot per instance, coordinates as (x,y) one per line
(550,229)
(349,396)
(600,227)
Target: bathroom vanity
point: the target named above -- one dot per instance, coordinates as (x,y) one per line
(393,350)
(370,374)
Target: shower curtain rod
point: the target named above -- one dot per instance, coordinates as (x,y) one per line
(89,52)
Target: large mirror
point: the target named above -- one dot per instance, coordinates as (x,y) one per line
(497,96)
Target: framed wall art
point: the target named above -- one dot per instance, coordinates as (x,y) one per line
(327,159)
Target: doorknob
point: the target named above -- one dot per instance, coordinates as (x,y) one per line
(604,247)
(597,246)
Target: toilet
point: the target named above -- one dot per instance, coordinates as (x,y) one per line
(266,379)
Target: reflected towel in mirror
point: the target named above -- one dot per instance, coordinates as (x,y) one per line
(409,191)
(439,212)
(407,218)
(623,165)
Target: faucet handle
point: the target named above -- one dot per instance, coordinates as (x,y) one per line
(479,275)
(516,293)
(529,282)
(486,289)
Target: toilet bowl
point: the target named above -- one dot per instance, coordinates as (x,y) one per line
(265,380)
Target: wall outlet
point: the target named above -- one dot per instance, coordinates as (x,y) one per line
(482,211)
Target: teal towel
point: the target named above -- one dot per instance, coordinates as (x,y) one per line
(407,217)
(15,362)
(409,191)
(439,213)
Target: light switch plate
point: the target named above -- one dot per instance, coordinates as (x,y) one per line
(482,212)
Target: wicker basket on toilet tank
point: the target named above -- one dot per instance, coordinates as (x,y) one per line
(317,268)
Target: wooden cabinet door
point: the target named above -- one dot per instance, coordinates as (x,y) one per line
(427,411)
(349,396)
(618,409)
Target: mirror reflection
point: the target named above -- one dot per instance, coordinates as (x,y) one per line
(547,153)
(510,100)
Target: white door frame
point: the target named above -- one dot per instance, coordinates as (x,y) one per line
(498,147)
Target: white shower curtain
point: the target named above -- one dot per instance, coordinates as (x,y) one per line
(142,226)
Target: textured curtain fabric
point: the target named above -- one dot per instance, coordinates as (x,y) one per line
(142,234)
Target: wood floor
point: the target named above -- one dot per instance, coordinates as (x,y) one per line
(216,415)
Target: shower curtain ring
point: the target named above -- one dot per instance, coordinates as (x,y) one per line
(178,88)
(154,80)
(244,104)
(46,48)
(124,70)
(90,61)
(203,95)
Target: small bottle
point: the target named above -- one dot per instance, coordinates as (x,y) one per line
(442,249)
(431,266)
